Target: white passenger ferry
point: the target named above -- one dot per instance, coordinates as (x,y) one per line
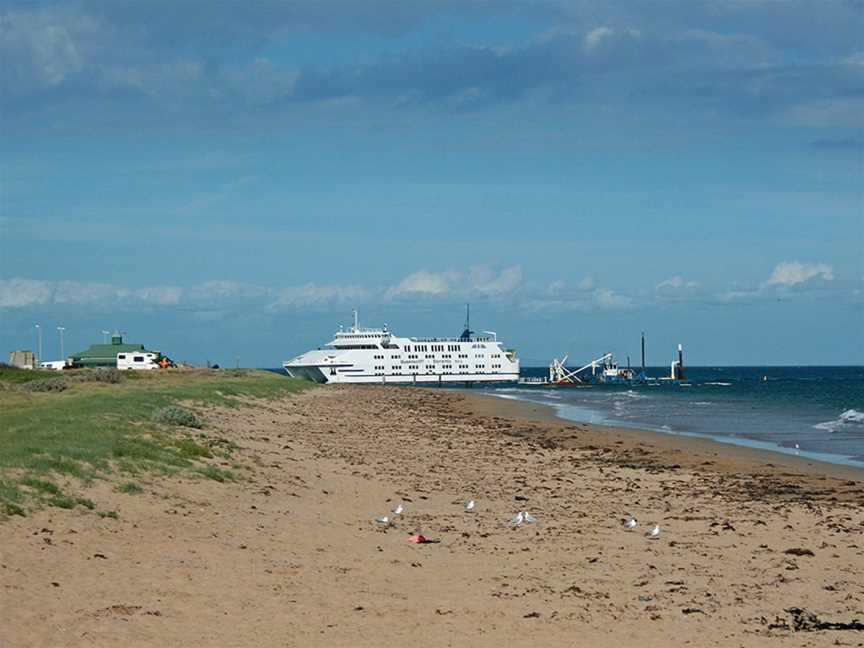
(364,355)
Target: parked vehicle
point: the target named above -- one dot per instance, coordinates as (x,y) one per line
(137,361)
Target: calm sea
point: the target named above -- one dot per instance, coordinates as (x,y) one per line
(821,409)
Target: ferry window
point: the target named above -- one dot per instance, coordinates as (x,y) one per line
(138,359)
(122,356)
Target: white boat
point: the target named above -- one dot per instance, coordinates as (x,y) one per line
(370,355)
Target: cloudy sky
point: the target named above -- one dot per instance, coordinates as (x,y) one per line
(230,179)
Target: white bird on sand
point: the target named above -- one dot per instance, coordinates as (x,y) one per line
(654,532)
(630,523)
(384,519)
(397,510)
(523,517)
(469,505)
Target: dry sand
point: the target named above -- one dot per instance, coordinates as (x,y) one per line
(291,556)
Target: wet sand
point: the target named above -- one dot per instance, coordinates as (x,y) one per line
(291,554)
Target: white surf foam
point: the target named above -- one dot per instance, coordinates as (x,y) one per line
(849,419)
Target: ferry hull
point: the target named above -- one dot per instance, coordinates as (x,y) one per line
(322,375)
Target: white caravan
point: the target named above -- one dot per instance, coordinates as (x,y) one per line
(137,361)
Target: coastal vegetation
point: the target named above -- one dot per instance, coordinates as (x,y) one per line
(60,432)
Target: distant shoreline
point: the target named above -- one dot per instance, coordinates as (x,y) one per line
(688,450)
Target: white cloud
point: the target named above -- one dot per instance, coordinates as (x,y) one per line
(595,37)
(478,280)
(73,292)
(587,283)
(792,273)
(314,294)
(425,283)
(676,283)
(483,280)
(20,293)
(556,287)
(830,113)
(610,299)
(160,295)
(221,289)
(17,293)
(857,58)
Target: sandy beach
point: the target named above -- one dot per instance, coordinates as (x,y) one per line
(755,549)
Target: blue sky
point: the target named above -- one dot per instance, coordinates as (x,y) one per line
(231,179)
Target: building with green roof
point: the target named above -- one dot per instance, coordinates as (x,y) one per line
(105,355)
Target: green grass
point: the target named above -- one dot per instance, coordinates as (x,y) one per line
(95,428)
(16,376)
(216,474)
(69,502)
(130,488)
(41,485)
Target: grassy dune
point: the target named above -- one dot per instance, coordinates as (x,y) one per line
(91,428)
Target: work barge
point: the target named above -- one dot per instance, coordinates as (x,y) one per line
(604,370)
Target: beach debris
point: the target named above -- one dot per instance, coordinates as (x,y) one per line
(630,523)
(799,551)
(654,533)
(805,621)
(469,505)
(384,519)
(523,517)
(418,539)
(398,509)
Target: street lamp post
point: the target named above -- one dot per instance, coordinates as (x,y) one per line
(39,341)
(61,329)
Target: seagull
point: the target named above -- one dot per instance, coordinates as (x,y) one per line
(397,510)
(655,532)
(523,517)
(384,519)
(630,523)
(469,506)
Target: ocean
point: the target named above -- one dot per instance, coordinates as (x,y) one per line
(821,409)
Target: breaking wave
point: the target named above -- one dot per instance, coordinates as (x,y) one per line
(850,419)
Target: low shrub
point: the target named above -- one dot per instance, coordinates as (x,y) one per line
(130,488)
(44,385)
(175,415)
(107,375)
(8,508)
